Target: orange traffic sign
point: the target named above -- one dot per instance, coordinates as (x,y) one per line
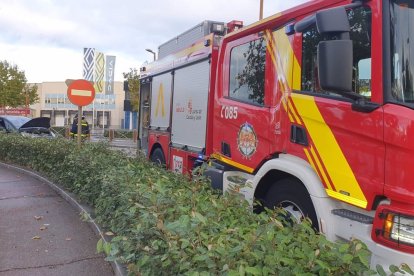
(81,92)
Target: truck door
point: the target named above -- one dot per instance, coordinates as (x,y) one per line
(346,145)
(241,132)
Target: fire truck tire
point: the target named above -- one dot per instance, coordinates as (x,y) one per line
(157,157)
(291,195)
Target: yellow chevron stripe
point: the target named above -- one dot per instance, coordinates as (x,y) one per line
(291,119)
(285,61)
(333,159)
(308,155)
(320,167)
(345,198)
(284,55)
(284,67)
(289,68)
(232,163)
(295,114)
(286,80)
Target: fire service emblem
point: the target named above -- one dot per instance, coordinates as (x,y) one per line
(247,140)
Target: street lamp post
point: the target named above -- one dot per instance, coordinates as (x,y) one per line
(152,52)
(261,10)
(27,103)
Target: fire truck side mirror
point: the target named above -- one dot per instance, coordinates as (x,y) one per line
(335,54)
(335,65)
(333,20)
(328,21)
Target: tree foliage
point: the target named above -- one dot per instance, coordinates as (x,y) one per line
(250,79)
(360,34)
(132,77)
(14,89)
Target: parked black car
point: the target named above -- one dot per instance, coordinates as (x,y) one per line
(36,127)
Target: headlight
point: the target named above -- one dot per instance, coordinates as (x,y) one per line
(399,228)
(394,228)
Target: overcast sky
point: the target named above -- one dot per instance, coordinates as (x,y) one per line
(45,38)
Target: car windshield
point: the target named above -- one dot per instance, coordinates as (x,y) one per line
(18,121)
(402,50)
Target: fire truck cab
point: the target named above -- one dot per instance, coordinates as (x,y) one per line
(310,110)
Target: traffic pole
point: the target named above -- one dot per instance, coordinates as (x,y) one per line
(80,93)
(79,126)
(261,10)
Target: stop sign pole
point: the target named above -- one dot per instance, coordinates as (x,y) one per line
(80,93)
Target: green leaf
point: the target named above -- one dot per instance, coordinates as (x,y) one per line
(200,217)
(407,269)
(380,270)
(99,246)
(200,258)
(344,248)
(394,269)
(364,258)
(242,271)
(323,264)
(347,258)
(254,270)
(107,248)
(233,273)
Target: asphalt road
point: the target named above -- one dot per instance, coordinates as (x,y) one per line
(41,234)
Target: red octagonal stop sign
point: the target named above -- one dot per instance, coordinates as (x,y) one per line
(81,92)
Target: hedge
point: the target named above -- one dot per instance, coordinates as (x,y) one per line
(166,224)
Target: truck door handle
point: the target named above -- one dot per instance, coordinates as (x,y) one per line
(298,135)
(225,149)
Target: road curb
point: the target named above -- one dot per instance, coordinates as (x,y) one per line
(118,268)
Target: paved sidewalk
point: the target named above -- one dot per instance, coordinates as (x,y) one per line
(41,234)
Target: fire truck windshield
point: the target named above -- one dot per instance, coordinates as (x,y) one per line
(402,51)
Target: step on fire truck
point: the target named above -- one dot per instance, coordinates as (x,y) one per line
(311,109)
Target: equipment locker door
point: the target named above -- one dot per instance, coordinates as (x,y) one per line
(144,114)
(189,115)
(161,101)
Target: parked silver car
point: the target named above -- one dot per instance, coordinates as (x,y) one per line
(36,127)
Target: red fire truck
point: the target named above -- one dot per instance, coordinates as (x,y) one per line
(310,109)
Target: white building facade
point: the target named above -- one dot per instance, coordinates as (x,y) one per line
(107,111)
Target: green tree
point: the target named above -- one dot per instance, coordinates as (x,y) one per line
(14,89)
(251,78)
(132,77)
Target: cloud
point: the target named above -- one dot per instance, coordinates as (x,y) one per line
(38,62)
(46,37)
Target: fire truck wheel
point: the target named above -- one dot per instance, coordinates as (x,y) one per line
(157,157)
(292,196)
